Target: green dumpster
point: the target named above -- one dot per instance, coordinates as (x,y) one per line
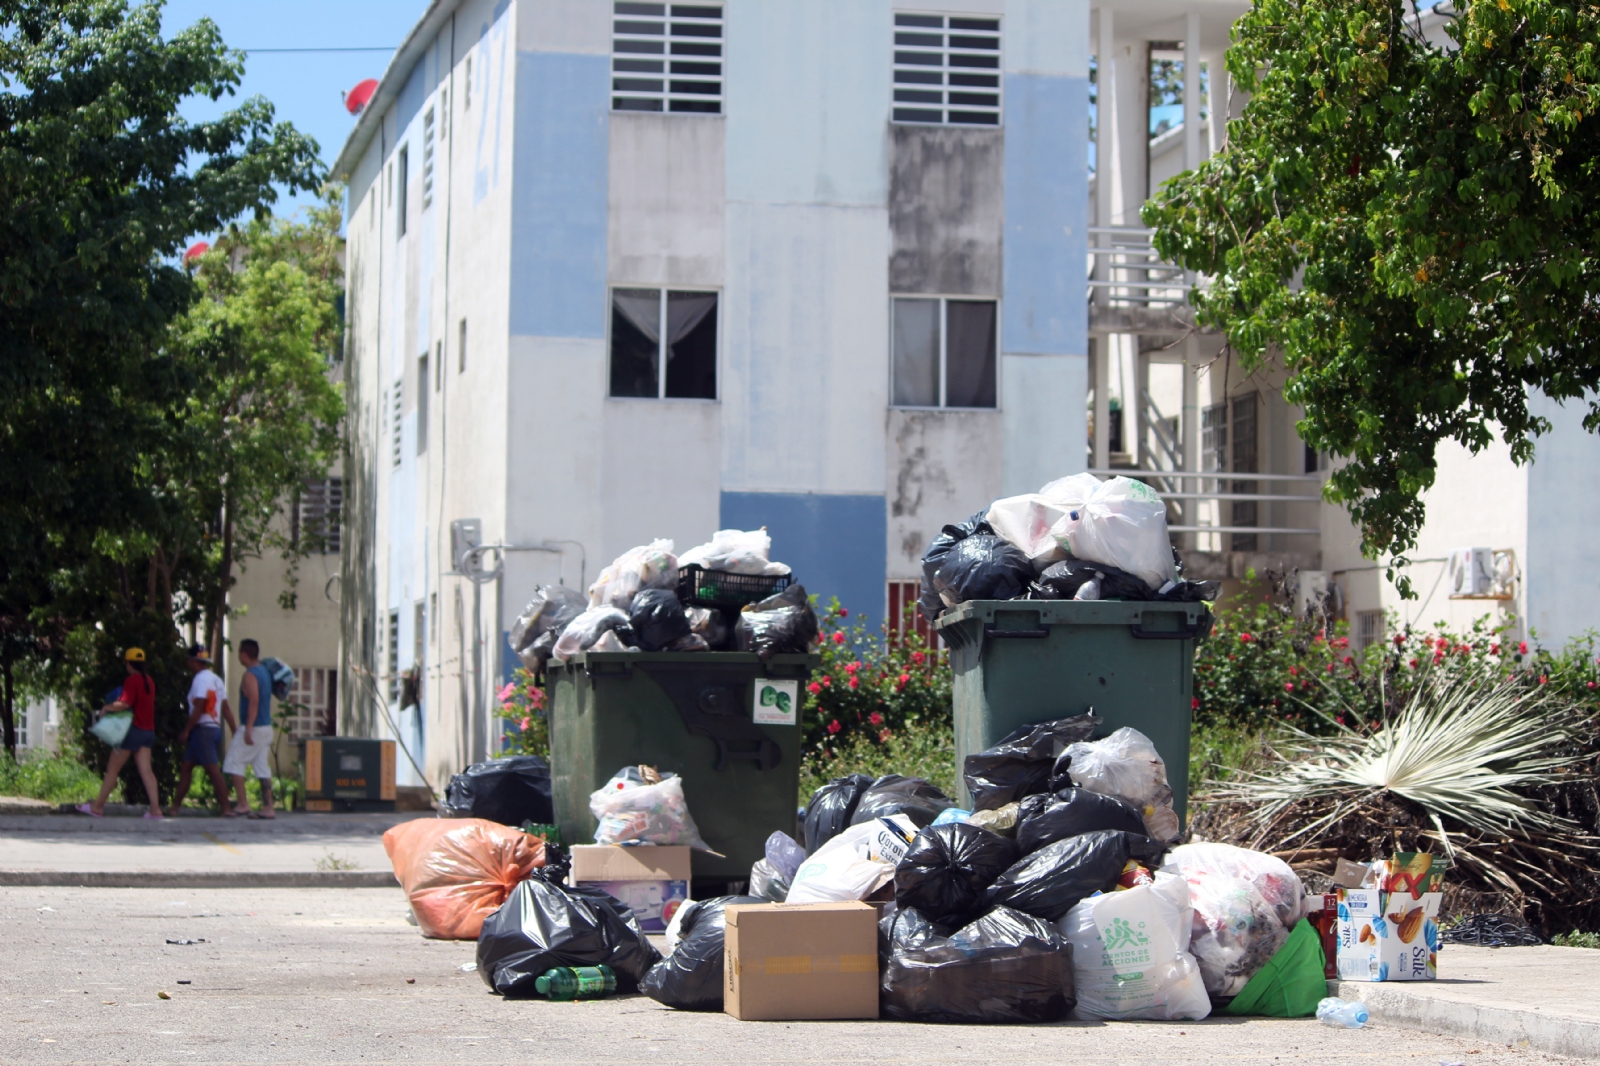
(1021,662)
(697,714)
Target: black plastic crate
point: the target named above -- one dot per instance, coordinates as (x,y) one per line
(718,588)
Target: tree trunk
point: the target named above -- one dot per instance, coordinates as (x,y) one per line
(8,706)
(226,576)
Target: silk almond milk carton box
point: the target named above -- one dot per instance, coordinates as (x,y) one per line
(1388,930)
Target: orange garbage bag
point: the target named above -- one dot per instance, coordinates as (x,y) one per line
(457,871)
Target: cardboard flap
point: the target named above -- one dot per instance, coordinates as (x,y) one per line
(612,862)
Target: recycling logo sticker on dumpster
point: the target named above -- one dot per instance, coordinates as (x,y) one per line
(777,702)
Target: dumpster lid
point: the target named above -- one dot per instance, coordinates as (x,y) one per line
(1039,613)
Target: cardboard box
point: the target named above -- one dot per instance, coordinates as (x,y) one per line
(1391,932)
(801,961)
(652,880)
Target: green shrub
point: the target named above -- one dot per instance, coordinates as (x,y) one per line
(1576,940)
(56,778)
(522,705)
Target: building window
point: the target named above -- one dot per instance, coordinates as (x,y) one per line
(422,403)
(1369,628)
(666,57)
(404,167)
(427,159)
(314,525)
(946,69)
(393,636)
(395,420)
(313,704)
(944,352)
(664,344)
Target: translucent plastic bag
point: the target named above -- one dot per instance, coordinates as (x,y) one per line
(583,631)
(784,854)
(736,551)
(1124,524)
(638,804)
(1034,525)
(457,871)
(766,883)
(854,864)
(781,623)
(1245,904)
(113,728)
(1004,967)
(649,566)
(1125,765)
(1129,958)
(708,624)
(552,608)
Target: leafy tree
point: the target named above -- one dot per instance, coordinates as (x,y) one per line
(1410,228)
(101,183)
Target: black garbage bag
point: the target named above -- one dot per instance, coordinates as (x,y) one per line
(1043,820)
(828,813)
(983,567)
(510,791)
(543,924)
(1020,764)
(1068,575)
(951,535)
(657,618)
(691,977)
(1054,879)
(913,797)
(779,624)
(1004,967)
(947,868)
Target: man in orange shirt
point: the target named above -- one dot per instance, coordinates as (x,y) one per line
(202,734)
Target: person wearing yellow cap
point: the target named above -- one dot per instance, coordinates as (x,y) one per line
(138,696)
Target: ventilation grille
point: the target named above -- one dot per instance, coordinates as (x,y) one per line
(667,57)
(946,69)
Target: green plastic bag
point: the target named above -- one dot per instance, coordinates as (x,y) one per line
(1292,981)
(113,728)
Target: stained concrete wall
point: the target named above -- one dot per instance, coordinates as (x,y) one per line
(945,210)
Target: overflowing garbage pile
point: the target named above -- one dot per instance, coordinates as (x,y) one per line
(1059,895)
(1077,538)
(724,595)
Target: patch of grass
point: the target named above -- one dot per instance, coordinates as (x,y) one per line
(331,863)
(1576,940)
(929,753)
(55,778)
(1219,749)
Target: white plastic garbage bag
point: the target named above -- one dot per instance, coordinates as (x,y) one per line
(585,630)
(1129,958)
(1039,522)
(736,551)
(632,807)
(1126,765)
(649,566)
(854,864)
(1071,492)
(1245,904)
(1124,524)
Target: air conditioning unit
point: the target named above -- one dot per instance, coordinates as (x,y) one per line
(1471,572)
(465,534)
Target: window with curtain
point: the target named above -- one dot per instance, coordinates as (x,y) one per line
(664,344)
(944,352)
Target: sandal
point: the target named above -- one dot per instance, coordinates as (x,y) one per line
(84,808)
(257,816)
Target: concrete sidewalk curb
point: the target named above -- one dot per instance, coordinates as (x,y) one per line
(198,879)
(1411,1006)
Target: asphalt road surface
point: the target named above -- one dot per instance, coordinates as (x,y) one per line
(324,976)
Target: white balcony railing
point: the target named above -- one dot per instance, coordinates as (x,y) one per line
(1126,271)
(1193,491)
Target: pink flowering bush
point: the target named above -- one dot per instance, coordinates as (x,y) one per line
(522,704)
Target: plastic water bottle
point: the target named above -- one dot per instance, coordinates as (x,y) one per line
(1342,1015)
(576,982)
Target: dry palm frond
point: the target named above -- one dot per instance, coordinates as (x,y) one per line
(1462,750)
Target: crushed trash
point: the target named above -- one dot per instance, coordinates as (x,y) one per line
(185,941)
(1342,1014)
(533,635)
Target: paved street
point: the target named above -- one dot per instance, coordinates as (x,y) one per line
(320,976)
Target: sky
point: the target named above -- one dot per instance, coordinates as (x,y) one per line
(303,86)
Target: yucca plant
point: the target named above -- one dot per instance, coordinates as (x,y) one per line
(1474,765)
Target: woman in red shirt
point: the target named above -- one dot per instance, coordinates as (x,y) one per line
(138,696)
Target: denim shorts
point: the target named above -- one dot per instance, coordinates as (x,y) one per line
(139,738)
(204,740)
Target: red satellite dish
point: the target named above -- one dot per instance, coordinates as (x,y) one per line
(196,250)
(357,98)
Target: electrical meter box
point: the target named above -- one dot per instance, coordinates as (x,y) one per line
(348,774)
